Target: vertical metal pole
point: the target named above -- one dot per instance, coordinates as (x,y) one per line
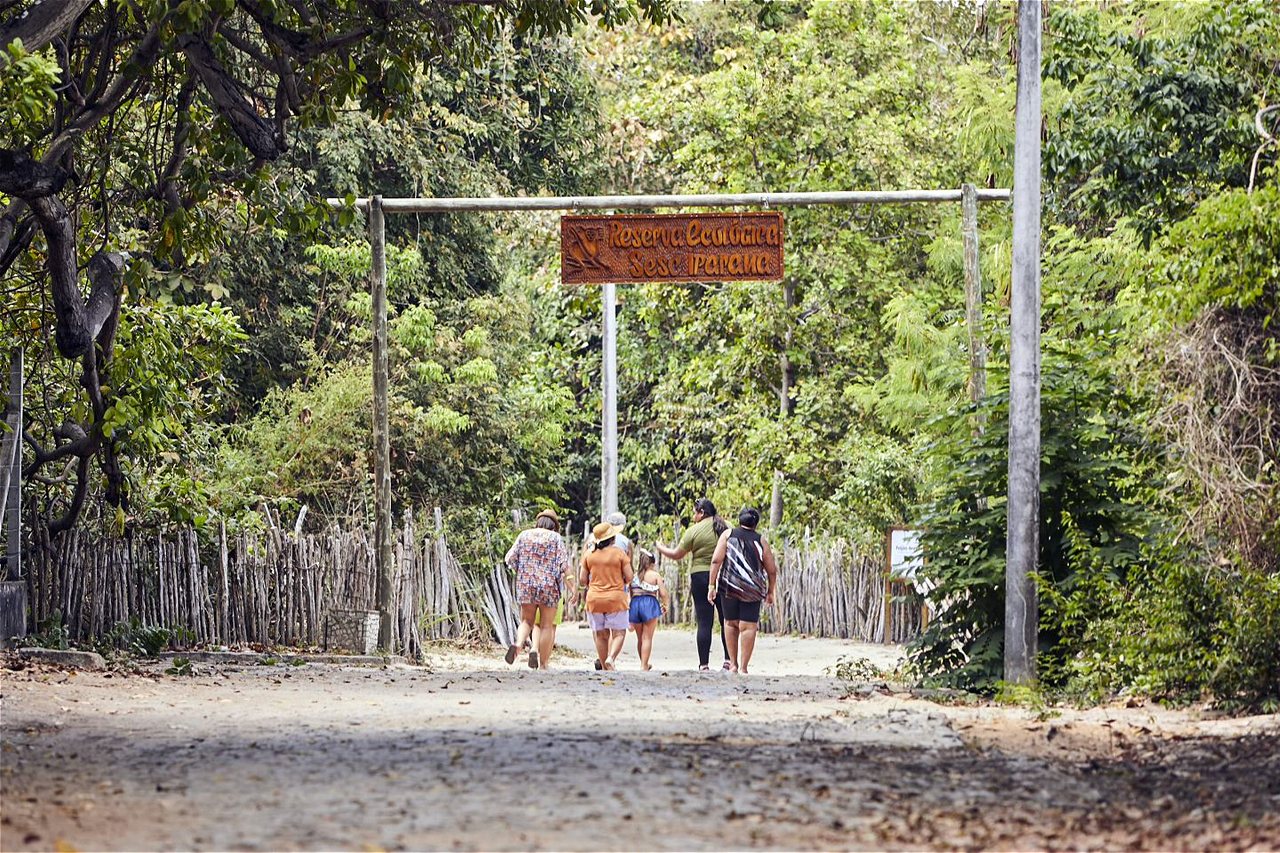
(1021,617)
(609,422)
(784,398)
(13,503)
(381,427)
(973,295)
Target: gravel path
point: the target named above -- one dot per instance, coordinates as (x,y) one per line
(471,754)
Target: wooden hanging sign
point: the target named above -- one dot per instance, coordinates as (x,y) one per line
(678,247)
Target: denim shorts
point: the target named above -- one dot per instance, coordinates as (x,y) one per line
(615,621)
(644,608)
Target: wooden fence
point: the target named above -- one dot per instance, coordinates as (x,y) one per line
(277,586)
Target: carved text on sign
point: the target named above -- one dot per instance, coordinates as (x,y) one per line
(671,247)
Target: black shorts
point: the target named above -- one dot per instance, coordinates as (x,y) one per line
(739,611)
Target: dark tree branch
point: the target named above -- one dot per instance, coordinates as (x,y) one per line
(24,178)
(102,46)
(77,500)
(297,44)
(254,133)
(248,48)
(167,181)
(71,331)
(42,23)
(78,323)
(9,224)
(18,239)
(106,98)
(106,270)
(79,445)
(69,85)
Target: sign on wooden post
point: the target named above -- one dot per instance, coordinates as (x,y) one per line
(678,247)
(904,556)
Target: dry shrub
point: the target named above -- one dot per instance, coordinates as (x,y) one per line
(1222,414)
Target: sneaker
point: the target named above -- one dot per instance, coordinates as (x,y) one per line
(703,668)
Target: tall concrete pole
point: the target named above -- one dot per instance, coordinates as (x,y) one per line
(1021,616)
(609,421)
(381,425)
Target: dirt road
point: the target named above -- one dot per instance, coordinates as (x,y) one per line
(472,754)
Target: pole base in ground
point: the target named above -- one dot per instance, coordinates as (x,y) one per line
(13,613)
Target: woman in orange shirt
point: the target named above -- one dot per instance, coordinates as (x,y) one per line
(605,573)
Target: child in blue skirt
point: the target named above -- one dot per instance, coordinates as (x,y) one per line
(649,602)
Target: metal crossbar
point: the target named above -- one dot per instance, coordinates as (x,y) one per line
(649,202)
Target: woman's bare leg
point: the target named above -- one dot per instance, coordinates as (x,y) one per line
(732,629)
(746,644)
(526,624)
(645,633)
(616,641)
(602,645)
(546,638)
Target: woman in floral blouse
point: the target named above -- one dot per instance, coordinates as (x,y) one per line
(540,559)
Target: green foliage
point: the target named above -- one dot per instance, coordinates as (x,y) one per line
(181,667)
(1226,255)
(1153,122)
(859,670)
(1028,696)
(818,97)
(135,638)
(1093,465)
(1180,628)
(50,634)
(1247,672)
(27,84)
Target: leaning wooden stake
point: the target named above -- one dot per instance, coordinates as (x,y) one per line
(973,295)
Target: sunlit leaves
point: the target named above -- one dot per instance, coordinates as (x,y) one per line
(27,84)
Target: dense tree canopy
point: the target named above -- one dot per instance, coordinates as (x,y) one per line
(138,151)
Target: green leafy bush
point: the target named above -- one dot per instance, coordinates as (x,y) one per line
(52,634)
(181,666)
(138,639)
(1092,520)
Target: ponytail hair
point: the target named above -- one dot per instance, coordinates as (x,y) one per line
(707,508)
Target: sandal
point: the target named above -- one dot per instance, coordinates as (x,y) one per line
(728,667)
(599,665)
(703,668)
(533,660)
(512,651)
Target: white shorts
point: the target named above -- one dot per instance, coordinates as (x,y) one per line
(616,621)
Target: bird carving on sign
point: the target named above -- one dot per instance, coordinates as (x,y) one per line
(582,248)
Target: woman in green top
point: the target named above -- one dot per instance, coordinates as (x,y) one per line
(699,543)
